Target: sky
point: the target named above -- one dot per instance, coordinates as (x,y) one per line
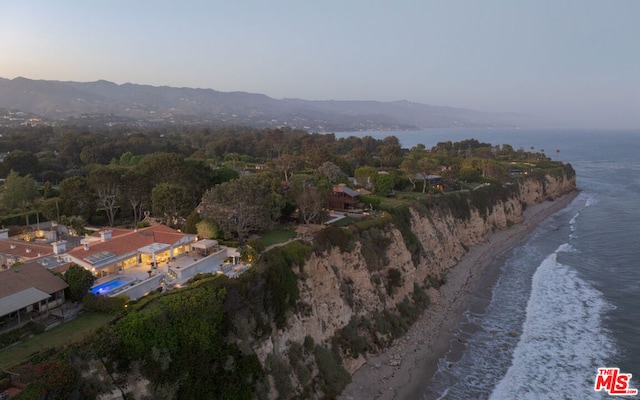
(569,62)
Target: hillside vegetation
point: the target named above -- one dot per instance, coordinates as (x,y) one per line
(303,318)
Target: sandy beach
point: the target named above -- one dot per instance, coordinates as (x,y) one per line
(403,370)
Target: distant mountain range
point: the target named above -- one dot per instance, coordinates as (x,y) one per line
(94,103)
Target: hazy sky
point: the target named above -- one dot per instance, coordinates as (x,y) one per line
(566,60)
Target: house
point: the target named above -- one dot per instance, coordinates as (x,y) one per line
(436,181)
(112,251)
(433,180)
(29,288)
(343,198)
(19,251)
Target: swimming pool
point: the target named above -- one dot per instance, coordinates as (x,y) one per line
(108,287)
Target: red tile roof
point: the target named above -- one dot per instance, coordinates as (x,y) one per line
(123,242)
(24,250)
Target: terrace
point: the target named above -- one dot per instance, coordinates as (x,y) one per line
(143,277)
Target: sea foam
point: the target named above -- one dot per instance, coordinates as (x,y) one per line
(563,342)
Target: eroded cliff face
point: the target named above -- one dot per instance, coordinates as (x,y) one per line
(339,285)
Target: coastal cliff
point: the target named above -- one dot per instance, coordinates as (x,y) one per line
(355,298)
(303,321)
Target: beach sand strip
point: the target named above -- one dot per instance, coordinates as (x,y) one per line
(403,370)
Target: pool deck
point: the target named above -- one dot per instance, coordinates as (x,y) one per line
(213,263)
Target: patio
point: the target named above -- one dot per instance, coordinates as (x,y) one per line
(178,270)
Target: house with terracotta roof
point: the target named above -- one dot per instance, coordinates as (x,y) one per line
(20,251)
(28,288)
(112,251)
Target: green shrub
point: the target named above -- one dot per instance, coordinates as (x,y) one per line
(349,339)
(370,199)
(329,237)
(13,336)
(282,285)
(409,311)
(364,225)
(280,372)
(297,252)
(420,297)
(434,282)
(112,305)
(394,280)
(309,343)
(296,358)
(347,291)
(179,338)
(458,205)
(402,219)
(332,375)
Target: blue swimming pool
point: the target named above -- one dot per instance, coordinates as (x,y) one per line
(107,287)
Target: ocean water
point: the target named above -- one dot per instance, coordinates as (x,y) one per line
(567,299)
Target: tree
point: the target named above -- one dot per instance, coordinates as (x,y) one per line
(410,169)
(365,176)
(309,196)
(360,156)
(469,174)
(79,280)
(191,223)
(136,190)
(106,181)
(90,155)
(207,229)
(224,174)
(425,166)
(76,198)
(198,177)
(163,167)
(331,171)
(23,162)
(288,164)
(391,152)
(384,184)
(20,192)
(170,200)
(242,205)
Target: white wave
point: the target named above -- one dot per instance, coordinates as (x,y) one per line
(591,200)
(563,341)
(573,220)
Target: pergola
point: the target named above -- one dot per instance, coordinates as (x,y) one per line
(205,245)
(153,250)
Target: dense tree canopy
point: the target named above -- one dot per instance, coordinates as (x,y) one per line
(242,205)
(79,280)
(20,193)
(106,176)
(170,201)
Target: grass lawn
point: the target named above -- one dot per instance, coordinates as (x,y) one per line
(277,236)
(66,333)
(346,221)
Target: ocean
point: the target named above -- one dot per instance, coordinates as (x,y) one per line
(566,300)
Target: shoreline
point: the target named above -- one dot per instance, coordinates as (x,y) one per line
(403,370)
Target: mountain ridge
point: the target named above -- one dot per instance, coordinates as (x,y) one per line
(60,101)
